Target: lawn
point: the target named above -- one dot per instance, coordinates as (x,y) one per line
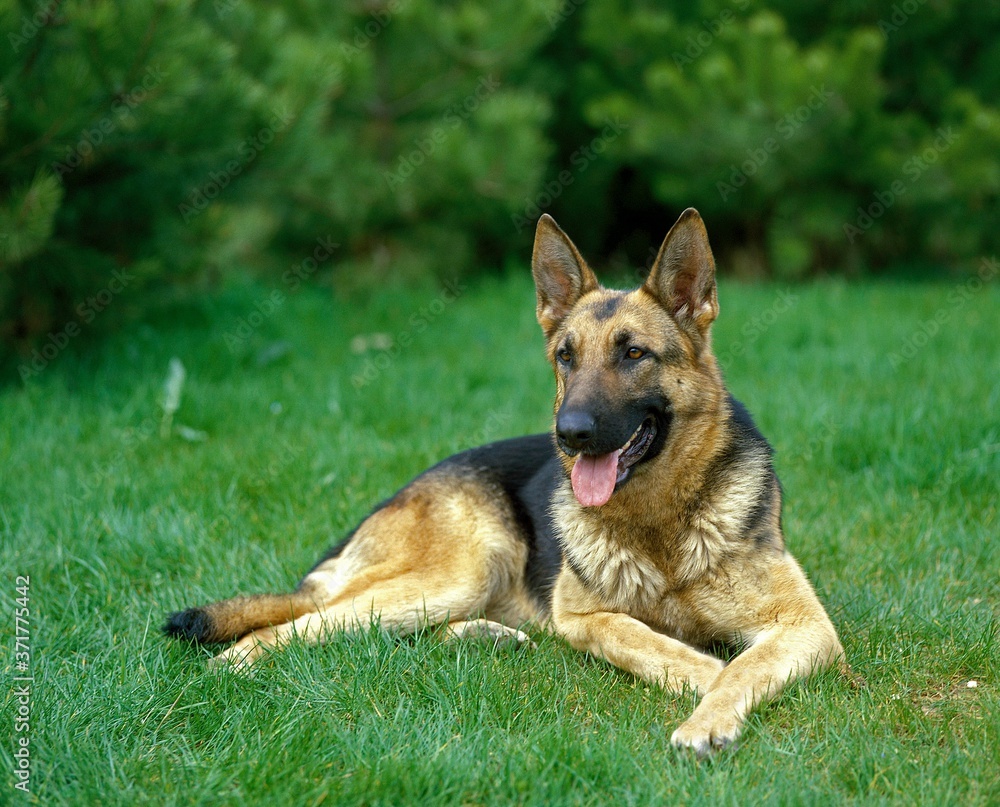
(296,415)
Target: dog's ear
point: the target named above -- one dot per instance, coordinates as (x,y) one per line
(561,274)
(683,275)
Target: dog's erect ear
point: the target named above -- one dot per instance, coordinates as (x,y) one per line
(561,274)
(683,275)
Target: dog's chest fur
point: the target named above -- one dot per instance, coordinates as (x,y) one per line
(624,575)
(650,582)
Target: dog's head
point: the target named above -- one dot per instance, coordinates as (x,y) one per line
(633,368)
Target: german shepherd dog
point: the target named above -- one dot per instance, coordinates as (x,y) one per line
(644,530)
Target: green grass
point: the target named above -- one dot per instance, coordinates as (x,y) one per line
(891,477)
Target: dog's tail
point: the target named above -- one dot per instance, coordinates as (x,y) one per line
(227,620)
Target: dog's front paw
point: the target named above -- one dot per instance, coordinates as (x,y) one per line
(707,733)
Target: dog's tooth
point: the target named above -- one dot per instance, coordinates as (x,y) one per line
(631,440)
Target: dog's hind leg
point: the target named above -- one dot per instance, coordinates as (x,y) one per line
(401,604)
(444,551)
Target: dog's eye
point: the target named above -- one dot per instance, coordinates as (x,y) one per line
(564,356)
(635,353)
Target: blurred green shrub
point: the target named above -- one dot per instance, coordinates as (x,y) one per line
(811,148)
(158,144)
(109,114)
(179,139)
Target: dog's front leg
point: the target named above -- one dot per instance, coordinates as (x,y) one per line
(582,619)
(778,655)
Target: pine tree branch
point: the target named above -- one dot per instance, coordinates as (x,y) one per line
(132,76)
(39,39)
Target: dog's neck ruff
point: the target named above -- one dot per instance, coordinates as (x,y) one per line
(623,576)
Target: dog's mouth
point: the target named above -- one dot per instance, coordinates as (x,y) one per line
(595,476)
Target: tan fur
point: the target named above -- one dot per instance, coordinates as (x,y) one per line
(402,571)
(231,619)
(665,568)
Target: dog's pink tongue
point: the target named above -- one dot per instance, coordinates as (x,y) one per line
(594,478)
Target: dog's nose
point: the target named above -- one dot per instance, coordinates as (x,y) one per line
(575,429)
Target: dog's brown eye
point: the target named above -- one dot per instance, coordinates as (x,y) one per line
(635,353)
(564,356)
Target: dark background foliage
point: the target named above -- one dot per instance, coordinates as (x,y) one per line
(165,146)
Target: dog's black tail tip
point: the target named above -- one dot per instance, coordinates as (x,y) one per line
(192,625)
